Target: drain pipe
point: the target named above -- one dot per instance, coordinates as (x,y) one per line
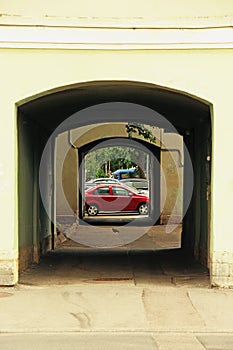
(181,165)
(70,141)
(76,148)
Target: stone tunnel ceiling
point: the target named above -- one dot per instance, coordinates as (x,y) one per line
(182,110)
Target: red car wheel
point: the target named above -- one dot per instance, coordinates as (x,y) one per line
(92,210)
(143,209)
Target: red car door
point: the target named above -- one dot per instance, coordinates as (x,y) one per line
(103,198)
(122,199)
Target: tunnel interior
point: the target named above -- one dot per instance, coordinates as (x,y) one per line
(37,120)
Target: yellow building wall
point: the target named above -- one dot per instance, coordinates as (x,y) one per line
(207,74)
(130,9)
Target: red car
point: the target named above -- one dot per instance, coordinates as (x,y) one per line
(111,197)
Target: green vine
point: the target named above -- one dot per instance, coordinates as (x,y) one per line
(141,131)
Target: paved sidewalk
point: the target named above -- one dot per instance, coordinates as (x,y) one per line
(113,316)
(126,300)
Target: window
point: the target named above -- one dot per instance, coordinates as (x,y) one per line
(102,190)
(119,191)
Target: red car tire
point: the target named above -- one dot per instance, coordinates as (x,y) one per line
(92,209)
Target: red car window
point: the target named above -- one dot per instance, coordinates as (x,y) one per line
(119,191)
(101,190)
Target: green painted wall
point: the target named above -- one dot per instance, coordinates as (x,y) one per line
(26,181)
(34,224)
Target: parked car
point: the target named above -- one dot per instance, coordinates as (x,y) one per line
(115,198)
(142,185)
(100,180)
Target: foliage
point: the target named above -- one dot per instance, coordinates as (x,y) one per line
(100,173)
(141,131)
(102,162)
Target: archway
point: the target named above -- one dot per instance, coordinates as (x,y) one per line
(40,117)
(152,151)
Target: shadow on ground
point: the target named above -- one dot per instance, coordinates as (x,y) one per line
(71,265)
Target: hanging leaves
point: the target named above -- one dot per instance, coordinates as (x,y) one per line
(141,131)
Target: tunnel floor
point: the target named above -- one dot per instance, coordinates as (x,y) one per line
(134,264)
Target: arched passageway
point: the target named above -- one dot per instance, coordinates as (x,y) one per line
(39,118)
(152,152)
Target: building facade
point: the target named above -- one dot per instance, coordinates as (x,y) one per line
(60,59)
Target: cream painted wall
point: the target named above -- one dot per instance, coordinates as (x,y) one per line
(207,74)
(121,8)
(84,135)
(29,72)
(8,177)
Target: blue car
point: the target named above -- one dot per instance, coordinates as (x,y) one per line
(123,174)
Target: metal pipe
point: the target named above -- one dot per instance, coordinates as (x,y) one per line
(69,140)
(181,165)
